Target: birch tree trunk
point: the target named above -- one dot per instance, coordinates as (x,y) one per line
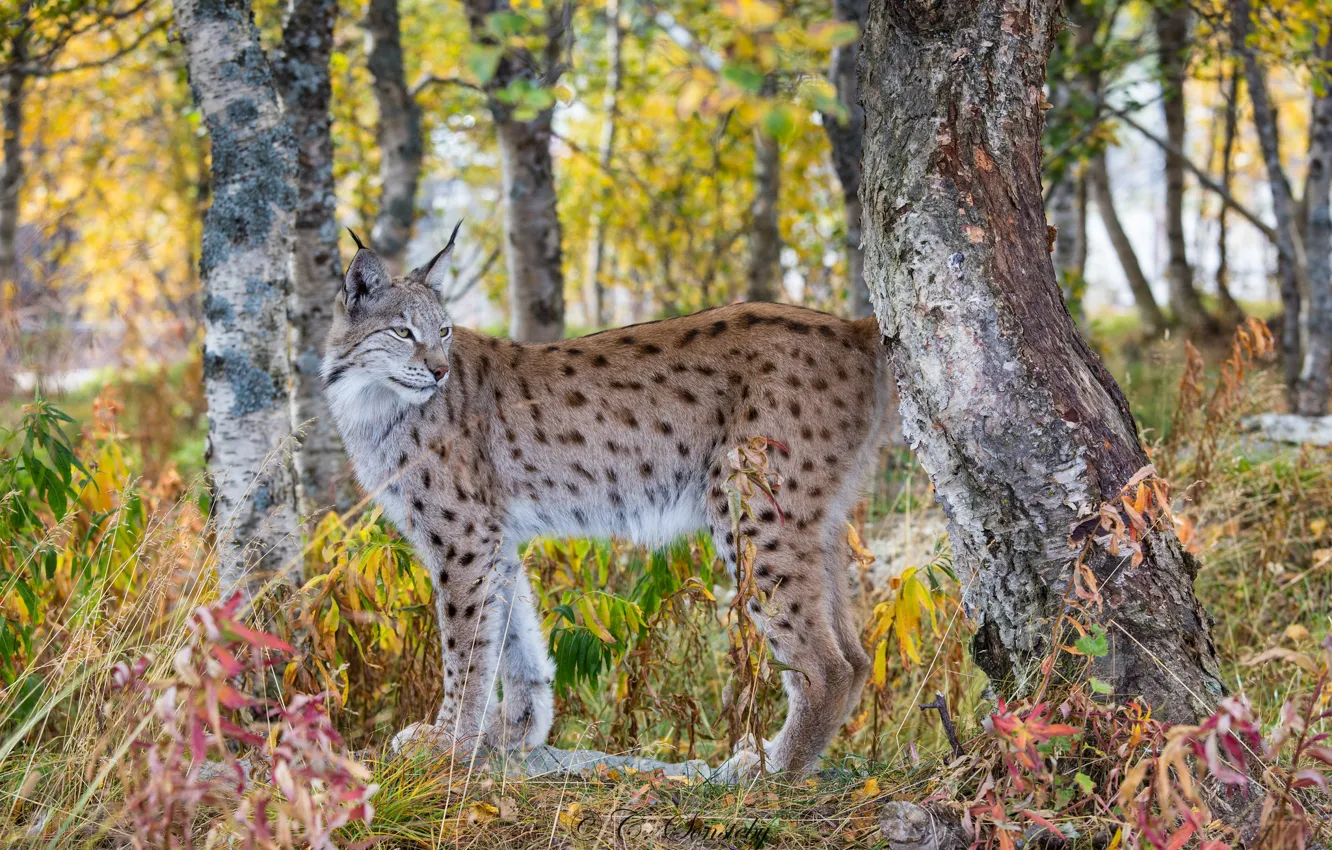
(533,252)
(245,265)
(1069,241)
(398,134)
(596,253)
(1022,430)
(1153,321)
(12,82)
(1283,205)
(1172,32)
(763,275)
(1314,374)
(1230,309)
(1065,205)
(301,71)
(847,140)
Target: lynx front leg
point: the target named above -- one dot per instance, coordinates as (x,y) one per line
(523,718)
(470,616)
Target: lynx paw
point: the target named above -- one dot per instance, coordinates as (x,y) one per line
(421,736)
(745,762)
(520,723)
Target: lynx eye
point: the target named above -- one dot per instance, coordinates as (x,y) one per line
(445,333)
(405,333)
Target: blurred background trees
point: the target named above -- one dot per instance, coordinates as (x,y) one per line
(625,160)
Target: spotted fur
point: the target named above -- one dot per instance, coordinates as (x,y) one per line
(473,444)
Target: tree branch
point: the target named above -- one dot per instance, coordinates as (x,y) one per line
(427,80)
(1203,178)
(458,292)
(105,60)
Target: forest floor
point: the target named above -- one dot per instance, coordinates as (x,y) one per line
(647,647)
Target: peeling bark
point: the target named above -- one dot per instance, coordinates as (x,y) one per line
(1317,366)
(1172,32)
(596,253)
(533,252)
(301,71)
(1153,321)
(763,275)
(1022,430)
(847,140)
(245,266)
(1283,205)
(398,134)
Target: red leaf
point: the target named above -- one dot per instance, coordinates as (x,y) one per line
(257,638)
(1054,830)
(230,666)
(1307,777)
(1179,839)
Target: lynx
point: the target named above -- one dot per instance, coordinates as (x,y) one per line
(473,445)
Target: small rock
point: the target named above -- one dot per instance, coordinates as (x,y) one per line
(550,762)
(1289,428)
(908,826)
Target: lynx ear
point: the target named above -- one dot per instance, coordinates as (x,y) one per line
(367,276)
(433,272)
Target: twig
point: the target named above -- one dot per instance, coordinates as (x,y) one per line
(461,289)
(941,705)
(1203,178)
(428,80)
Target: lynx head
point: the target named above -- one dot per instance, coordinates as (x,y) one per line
(390,337)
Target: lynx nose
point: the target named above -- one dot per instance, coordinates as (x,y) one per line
(439,372)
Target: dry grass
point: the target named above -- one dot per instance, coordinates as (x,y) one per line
(132,565)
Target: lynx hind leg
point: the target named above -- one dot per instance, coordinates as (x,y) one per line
(837,574)
(522,719)
(795,620)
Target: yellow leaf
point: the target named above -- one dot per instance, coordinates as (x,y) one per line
(482,812)
(881,664)
(752,14)
(862,555)
(569,818)
(592,621)
(329,624)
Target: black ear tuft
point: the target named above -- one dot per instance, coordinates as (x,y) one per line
(356,239)
(433,271)
(367,276)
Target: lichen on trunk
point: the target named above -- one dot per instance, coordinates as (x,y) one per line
(245,265)
(1022,430)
